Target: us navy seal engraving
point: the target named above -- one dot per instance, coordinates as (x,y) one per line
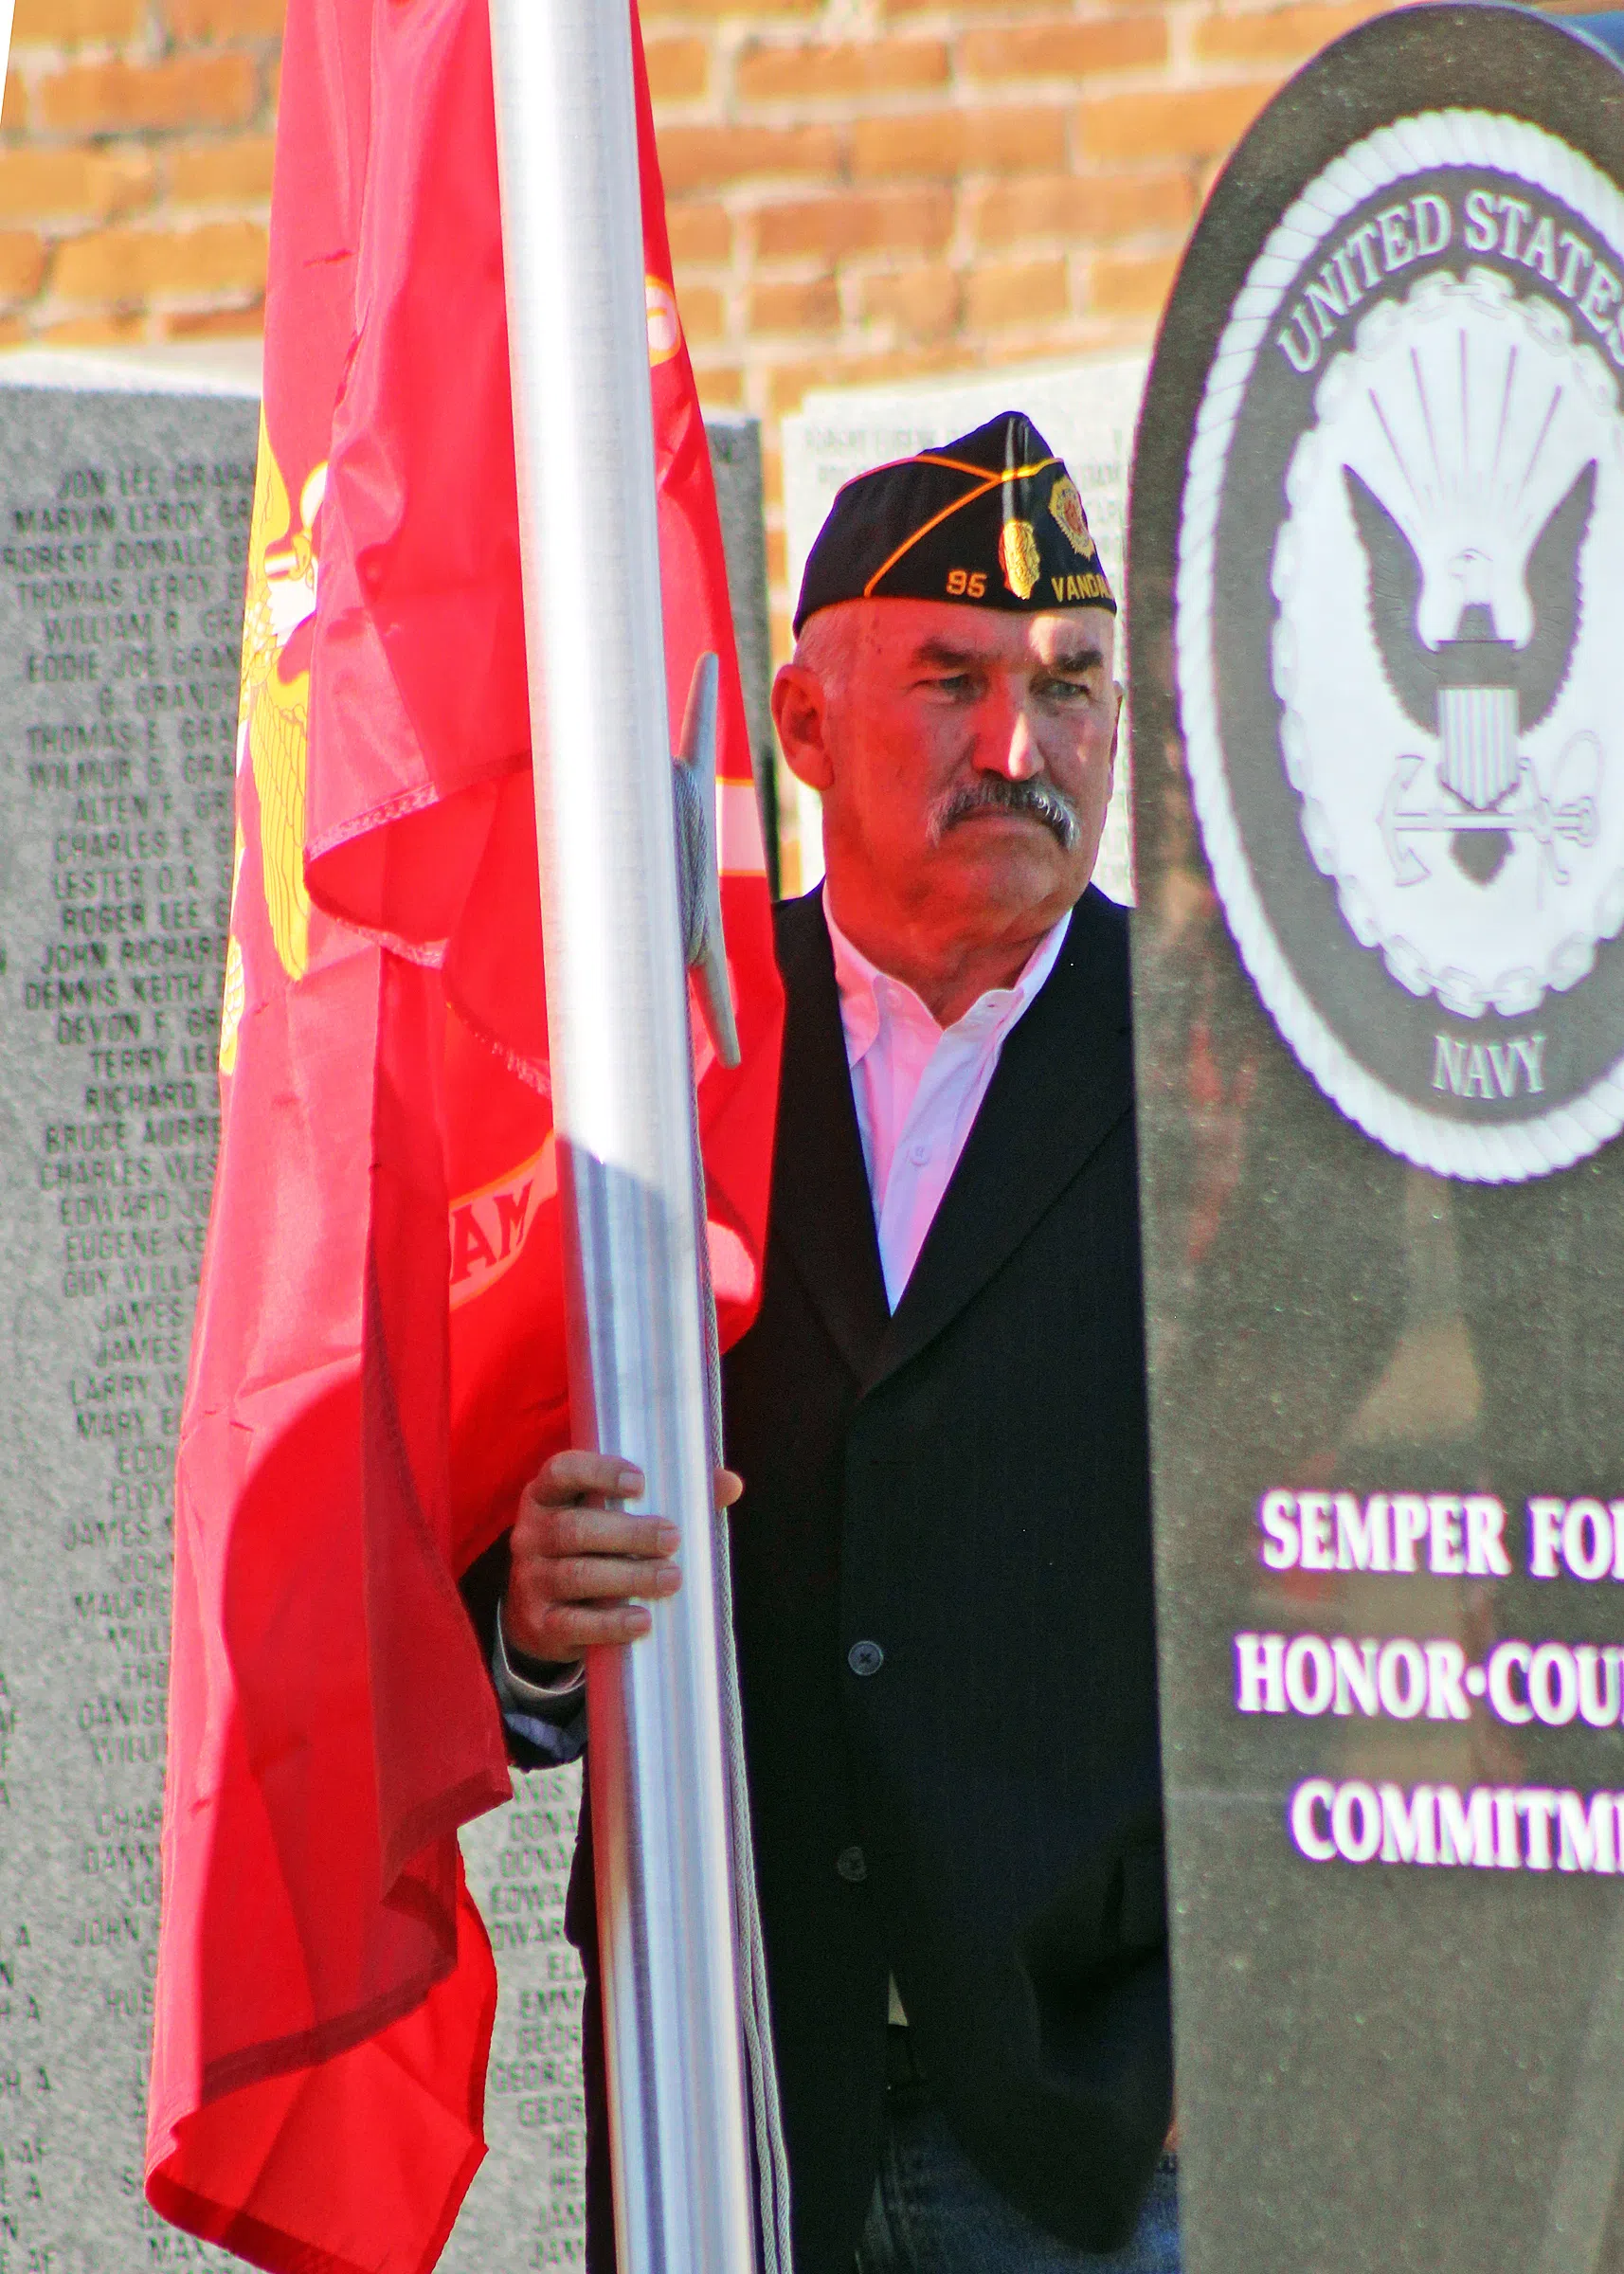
(1408,765)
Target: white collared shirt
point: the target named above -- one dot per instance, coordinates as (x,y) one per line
(917,1087)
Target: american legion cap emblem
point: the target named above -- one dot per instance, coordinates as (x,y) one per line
(1398,646)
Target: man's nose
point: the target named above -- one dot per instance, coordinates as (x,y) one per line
(1006,743)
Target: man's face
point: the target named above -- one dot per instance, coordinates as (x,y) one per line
(965,757)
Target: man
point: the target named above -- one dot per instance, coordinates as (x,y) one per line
(941,1549)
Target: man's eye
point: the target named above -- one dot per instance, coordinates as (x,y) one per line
(1069,690)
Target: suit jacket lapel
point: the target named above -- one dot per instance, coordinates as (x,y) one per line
(822,1208)
(1064,1079)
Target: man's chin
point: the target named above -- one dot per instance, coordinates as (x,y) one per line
(1011,864)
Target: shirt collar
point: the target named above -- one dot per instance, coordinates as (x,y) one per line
(860,983)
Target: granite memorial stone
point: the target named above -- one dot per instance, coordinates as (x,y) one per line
(124,523)
(125,498)
(1377,573)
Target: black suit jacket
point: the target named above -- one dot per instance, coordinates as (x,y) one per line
(965,1484)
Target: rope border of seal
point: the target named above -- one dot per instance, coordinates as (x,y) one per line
(1505,1153)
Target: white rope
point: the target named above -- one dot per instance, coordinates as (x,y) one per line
(772,2160)
(697,856)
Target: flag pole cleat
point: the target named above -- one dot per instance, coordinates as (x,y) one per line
(699,874)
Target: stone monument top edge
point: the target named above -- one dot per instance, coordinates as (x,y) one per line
(225,368)
(823,402)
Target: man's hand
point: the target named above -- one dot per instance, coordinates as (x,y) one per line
(582,1574)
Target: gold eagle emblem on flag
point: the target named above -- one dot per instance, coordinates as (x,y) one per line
(273,716)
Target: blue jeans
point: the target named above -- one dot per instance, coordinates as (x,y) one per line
(933,2213)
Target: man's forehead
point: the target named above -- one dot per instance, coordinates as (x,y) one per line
(925,632)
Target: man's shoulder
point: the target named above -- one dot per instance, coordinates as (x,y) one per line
(1092,964)
(1099,927)
(796,920)
(800,938)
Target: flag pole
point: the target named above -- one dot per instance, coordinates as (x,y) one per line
(623,1109)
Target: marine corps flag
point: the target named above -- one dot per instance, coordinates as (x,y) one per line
(379,1359)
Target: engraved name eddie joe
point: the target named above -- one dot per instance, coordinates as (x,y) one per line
(1400,560)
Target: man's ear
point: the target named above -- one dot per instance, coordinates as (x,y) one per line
(800,712)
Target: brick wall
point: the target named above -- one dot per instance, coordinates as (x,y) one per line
(859,189)
(862,189)
(135,167)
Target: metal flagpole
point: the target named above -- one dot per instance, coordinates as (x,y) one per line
(623,1105)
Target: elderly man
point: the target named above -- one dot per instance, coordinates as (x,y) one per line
(942,1545)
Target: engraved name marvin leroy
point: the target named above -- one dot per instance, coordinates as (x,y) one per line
(1398,681)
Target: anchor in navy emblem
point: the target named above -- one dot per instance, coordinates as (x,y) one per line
(1481,694)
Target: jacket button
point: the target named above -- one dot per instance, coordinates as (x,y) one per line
(851,1864)
(865,1658)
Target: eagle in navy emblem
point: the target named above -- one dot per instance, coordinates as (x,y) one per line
(1480,693)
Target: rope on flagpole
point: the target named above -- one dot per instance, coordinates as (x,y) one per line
(704,950)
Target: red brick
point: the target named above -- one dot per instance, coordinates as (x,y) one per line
(125,265)
(1194,122)
(699,233)
(1069,50)
(704,312)
(223,174)
(68,23)
(677,69)
(903,9)
(213,323)
(942,145)
(715,9)
(923,304)
(80,185)
(721,386)
(788,382)
(915,220)
(714,157)
(712,10)
(225,19)
(1131,283)
(95,330)
(820,72)
(1281,35)
(1091,206)
(812,306)
(1028,293)
(22,263)
(187,90)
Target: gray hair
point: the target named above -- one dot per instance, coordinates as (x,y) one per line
(823,647)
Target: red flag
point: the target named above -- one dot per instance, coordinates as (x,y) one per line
(378,1362)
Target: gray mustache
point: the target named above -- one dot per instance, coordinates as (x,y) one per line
(996,793)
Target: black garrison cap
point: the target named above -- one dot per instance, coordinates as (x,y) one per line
(993,521)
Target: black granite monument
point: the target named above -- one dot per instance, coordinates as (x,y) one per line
(1376,600)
